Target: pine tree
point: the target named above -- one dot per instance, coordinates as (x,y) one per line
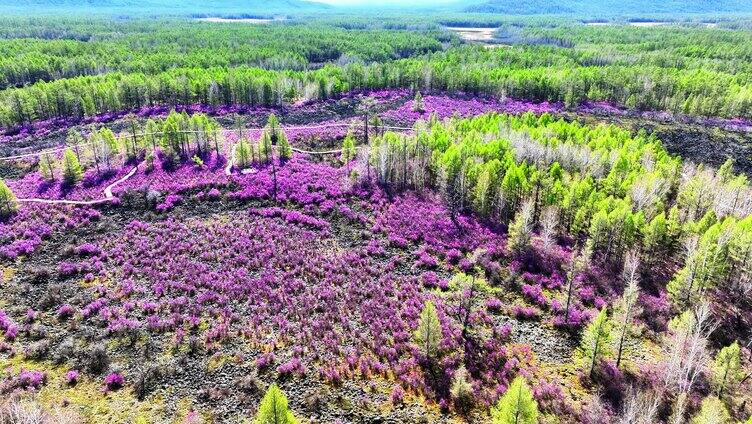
(428,336)
(516,406)
(596,341)
(712,411)
(8,201)
(273,408)
(72,172)
(727,369)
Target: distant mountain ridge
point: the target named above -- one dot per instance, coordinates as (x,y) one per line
(175,6)
(609,7)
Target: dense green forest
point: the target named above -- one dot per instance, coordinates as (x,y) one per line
(72,69)
(29,54)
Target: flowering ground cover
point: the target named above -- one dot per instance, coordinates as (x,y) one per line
(376,284)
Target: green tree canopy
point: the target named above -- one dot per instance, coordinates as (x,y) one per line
(274,409)
(516,406)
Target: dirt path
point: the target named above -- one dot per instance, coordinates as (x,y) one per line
(108,196)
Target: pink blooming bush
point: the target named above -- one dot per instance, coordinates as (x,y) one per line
(65,312)
(25,231)
(493,304)
(522,312)
(71,377)
(25,380)
(114,381)
(270,275)
(444,106)
(397,396)
(8,327)
(534,293)
(170,202)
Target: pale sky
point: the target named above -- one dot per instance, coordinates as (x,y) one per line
(386,2)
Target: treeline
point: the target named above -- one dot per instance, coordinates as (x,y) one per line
(29,54)
(610,7)
(697,71)
(471,70)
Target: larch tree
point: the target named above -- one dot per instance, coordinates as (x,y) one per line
(285,150)
(469,293)
(109,145)
(578,264)
(516,406)
(47,166)
(686,351)
(462,390)
(348,148)
(74,139)
(272,126)
(428,335)
(152,133)
(8,201)
(627,307)
(640,407)
(596,343)
(72,172)
(418,103)
(549,222)
(726,369)
(265,146)
(243,153)
(521,229)
(274,409)
(712,411)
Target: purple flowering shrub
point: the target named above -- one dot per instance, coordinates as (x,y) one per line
(251,273)
(25,380)
(25,231)
(8,327)
(325,280)
(114,381)
(71,377)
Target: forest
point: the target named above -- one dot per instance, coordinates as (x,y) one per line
(324,214)
(702,72)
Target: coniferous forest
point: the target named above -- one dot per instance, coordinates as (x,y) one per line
(299,212)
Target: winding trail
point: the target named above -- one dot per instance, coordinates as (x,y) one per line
(230,162)
(108,196)
(108,190)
